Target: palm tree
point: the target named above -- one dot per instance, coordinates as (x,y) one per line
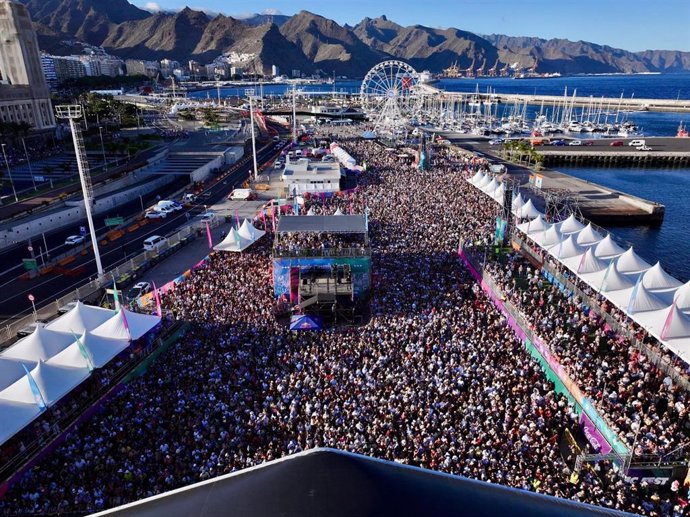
(48,170)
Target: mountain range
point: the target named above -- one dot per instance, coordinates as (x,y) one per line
(312,43)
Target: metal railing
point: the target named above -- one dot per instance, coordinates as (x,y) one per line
(129,269)
(280,252)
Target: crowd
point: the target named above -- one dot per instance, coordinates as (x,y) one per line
(36,149)
(435,379)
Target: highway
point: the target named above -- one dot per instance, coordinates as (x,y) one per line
(14,301)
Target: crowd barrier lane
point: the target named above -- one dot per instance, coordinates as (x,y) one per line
(522,329)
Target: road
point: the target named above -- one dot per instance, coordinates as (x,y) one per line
(47,289)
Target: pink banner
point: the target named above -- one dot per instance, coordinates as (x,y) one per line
(208,234)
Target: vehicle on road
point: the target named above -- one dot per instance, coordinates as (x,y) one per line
(617,143)
(168,206)
(575,142)
(154,242)
(496,141)
(155,214)
(643,148)
(588,142)
(207,217)
(73,240)
(188,198)
(637,143)
(242,194)
(558,142)
(138,289)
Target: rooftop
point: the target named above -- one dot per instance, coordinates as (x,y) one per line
(322,224)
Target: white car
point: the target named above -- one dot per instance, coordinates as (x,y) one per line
(208,217)
(575,142)
(155,214)
(73,240)
(496,141)
(643,148)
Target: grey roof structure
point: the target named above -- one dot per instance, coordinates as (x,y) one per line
(331,483)
(322,224)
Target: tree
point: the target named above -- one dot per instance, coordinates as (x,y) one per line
(48,170)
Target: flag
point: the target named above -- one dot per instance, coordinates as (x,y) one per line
(273,217)
(237,239)
(667,323)
(208,234)
(124,322)
(159,309)
(116,297)
(263,218)
(237,219)
(83,351)
(38,396)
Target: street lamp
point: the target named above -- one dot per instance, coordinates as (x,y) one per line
(105,163)
(9,173)
(31,172)
(250,93)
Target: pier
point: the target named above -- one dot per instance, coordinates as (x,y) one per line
(601,205)
(625,104)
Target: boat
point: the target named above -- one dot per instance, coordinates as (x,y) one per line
(682,132)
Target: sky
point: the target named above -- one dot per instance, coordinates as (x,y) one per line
(628,24)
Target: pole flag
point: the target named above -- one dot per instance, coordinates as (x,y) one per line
(35,390)
(159,309)
(667,323)
(208,234)
(273,216)
(124,322)
(83,351)
(237,240)
(237,218)
(263,218)
(116,297)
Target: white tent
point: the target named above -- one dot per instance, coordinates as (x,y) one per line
(82,317)
(676,325)
(100,349)
(608,249)
(631,263)
(548,238)
(517,202)
(53,382)
(570,225)
(682,297)
(614,280)
(642,300)
(590,263)
(536,225)
(73,357)
(337,212)
(567,248)
(311,211)
(657,278)
(490,187)
(41,344)
(15,417)
(589,236)
(12,370)
(476,178)
(116,327)
(529,211)
(250,232)
(484,181)
(499,193)
(239,240)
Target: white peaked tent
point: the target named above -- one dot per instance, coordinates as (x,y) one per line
(631,263)
(590,263)
(499,193)
(15,416)
(249,231)
(72,357)
(82,317)
(476,178)
(41,344)
(682,297)
(337,212)
(12,370)
(608,249)
(676,325)
(534,226)
(311,211)
(100,349)
(484,181)
(614,280)
(53,381)
(490,187)
(548,238)
(642,300)
(528,211)
(517,202)
(115,328)
(233,242)
(589,236)
(570,225)
(656,278)
(567,248)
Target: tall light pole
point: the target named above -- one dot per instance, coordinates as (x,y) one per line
(31,172)
(250,93)
(294,115)
(9,173)
(72,113)
(105,162)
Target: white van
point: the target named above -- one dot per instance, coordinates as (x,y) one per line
(167,206)
(154,242)
(636,143)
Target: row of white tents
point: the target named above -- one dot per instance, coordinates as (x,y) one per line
(238,240)
(647,294)
(40,369)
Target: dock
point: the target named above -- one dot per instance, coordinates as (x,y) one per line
(625,104)
(599,204)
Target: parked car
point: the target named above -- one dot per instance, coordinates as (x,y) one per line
(588,142)
(643,148)
(138,289)
(496,141)
(188,198)
(154,242)
(575,142)
(208,217)
(29,329)
(637,143)
(155,214)
(617,143)
(558,142)
(73,240)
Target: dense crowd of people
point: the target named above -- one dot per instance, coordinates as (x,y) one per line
(435,379)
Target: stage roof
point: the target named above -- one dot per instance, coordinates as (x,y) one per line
(331,483)
(322,224)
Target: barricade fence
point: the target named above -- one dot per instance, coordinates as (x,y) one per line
(129,268)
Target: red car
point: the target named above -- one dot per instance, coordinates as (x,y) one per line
(587,142)
(617,143)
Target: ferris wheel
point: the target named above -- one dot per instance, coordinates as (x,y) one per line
(390,95)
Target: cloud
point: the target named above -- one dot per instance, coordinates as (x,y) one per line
(154,7)
(265,12)
(272,12)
